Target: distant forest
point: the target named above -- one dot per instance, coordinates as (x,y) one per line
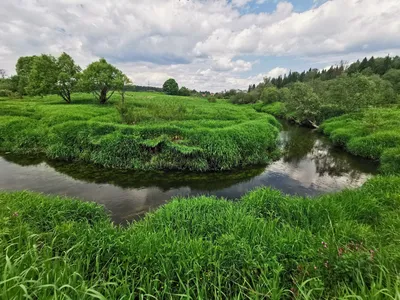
(140,88)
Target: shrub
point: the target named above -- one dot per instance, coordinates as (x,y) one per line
(5,93)
(212,99)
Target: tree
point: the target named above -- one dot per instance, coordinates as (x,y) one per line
(170,87)
(363,65)
(393,76)
(67,77)
(42,79)
(23,68)
(304,103)
(270,95)
(184,91)
(3,73)
(102,79)
(127,83)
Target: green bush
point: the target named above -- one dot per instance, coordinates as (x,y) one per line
(267,245)
(5,93)
(212,99)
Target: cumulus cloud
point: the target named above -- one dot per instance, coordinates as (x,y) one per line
(276,72)
(200,42)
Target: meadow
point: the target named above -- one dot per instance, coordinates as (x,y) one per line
(372,133)
(265,246)
(149,131)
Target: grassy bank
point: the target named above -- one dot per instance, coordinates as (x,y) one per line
(373,133)
(156,132)
(265,246)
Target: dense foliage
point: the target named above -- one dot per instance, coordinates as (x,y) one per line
(168,132)
(102,79)
(265,246)
(170,87)
(312,97)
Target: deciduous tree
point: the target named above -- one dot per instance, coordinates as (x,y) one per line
(67,77)
(102,79)
(170,87)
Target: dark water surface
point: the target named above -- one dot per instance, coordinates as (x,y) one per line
(310,165)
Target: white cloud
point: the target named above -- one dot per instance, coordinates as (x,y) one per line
(276,72)
(205,44)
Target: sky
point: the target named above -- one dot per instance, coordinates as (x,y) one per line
(204,44)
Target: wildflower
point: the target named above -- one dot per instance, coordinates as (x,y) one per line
(340,251)
(15,214)
(315,267)
(326,264)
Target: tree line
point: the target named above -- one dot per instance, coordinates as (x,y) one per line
(40,75)
(316,95)
(45,74)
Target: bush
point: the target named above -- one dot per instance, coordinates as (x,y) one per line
(212,99)
(5,93)
(243,98)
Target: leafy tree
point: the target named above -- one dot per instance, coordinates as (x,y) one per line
(184,91)
(393,76)
(102,79)
(3,73)
(367,71)
(284,94)
(43,76)
(304,103)
(127,85)
(23,68)
(170,87)
(67,77)
(270,95)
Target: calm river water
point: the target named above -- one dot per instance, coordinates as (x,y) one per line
(310,166)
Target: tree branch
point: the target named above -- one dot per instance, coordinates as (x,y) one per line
(110,95)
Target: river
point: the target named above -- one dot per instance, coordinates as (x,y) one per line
(310,165)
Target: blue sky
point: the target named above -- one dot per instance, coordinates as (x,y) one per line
(203,44)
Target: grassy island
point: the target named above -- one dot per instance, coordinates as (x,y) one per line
(150,131)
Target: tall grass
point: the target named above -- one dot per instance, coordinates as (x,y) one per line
(152,131)
(267,245)
(373,133)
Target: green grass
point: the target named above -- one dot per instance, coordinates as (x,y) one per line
(276,109)
(267,245)
(373,133)
(164,132)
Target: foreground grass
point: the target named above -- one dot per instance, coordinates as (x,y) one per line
(373,133)
(265,246)
(164,132)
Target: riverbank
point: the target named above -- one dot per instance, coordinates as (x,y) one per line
(309,165)
(371,133)
(153,131)
(265,245)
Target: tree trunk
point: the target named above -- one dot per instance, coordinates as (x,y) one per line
(313,124)
(103,95)
(123,97)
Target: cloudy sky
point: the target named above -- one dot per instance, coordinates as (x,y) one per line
(204,44)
